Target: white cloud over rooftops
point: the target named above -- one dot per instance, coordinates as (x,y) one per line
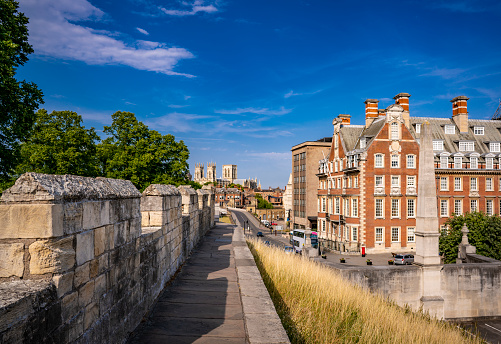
(55,33)
(197,6)
(257,111)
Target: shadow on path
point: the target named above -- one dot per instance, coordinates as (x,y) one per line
(202,304)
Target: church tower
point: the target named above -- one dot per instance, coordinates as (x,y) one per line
(211,172)
(199,172)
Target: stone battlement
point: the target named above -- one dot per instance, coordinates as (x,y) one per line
(85,258)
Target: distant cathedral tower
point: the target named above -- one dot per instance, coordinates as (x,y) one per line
(199,172)
(211,172)
(230,172)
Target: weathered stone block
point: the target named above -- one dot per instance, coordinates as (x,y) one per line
(63,283)
(35,221)
(99,286)
(94,268)
(69,306)
(52,256)
(99,240)
(120,233)
(82,275)
(91,215)
(11,260)
(110,237)
(73,217)
(103,263)
(91,315)
(75,327)
(86,294)
(85,247)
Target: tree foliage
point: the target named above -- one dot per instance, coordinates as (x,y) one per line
(60,144)
(484,234)
(262,203)
(18,99)
(134,152)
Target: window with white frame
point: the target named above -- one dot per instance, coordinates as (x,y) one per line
(395,207)
(379,181)
(346,207)
(473,184)
(411,161)
(335,166)
(489,209)
(438,145)
(379,208)
(457,184)
(444,185)
(458,206)
(378,160)
(336,206)
(362,143)
(473,205)
(444,208)
(354,232)
(411,181)
(495,147)
(395,234)
(488,184)
(410,234)
(394,131)
(450,129)
(355,182)
(379,234)
(466,146)
(354,207)
(323,205)
(395,181)
(489,163)
(473,162)
(444,162)
(418,128)
(411,207)
(395,161)
(346,232)
(458,162)
(478,130)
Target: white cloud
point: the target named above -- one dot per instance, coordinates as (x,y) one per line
(197,6)
(143,31)
(258,111)
(179,122)
(445,73)
(175,106)
(54,33)
(291,93)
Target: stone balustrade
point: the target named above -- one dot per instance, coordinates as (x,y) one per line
(83,259)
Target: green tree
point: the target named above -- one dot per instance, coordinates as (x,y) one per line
(262,203)
(484,234)
(60,144)
(133,152)
(18,99)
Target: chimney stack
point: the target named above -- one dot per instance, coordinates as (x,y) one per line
(402,99)
(460,113)
(371,111)
(345,119)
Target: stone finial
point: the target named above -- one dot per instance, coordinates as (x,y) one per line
(465,231)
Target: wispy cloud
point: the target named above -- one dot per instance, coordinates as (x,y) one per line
(143,31)
(445,73)
(180,122)
(53,33)
(291,93)
(257,111)
(175,106)
(198,6)
(272,155)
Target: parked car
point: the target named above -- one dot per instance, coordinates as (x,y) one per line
(288,249)
(260,234)
(267,243)
(404,259)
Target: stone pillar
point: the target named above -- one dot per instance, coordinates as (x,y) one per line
(427,228)
(212,203)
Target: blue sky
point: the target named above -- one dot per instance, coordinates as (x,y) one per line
(241,82)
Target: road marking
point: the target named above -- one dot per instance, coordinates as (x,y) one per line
(493,328)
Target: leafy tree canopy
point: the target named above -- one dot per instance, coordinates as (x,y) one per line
(60,144)
(18,100)
(484,234)
(262,203)
(143,156)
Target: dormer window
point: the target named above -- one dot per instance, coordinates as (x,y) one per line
(466,146)
(458,162)
(362,143)
(444,162)
(489,163)
(418,128)
(478,130)
(473,162)
(450,129)
(494,147)
(438,145)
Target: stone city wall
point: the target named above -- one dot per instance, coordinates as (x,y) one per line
(468,290)
(83,259)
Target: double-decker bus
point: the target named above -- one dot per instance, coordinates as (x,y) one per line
(299,239)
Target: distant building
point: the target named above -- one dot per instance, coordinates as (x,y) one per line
(287,200)
(201,177)
(305,157)
(230,173)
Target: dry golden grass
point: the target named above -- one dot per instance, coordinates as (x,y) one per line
(224,218)
(317,305)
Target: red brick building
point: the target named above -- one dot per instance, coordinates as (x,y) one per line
(367,187)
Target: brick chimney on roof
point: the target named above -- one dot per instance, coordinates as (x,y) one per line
(460,113)
(371,111)
(345,118)
(402,99)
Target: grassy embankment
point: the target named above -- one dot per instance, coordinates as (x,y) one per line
(224,218)
(317,305)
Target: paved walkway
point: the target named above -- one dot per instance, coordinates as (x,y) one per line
(202,305)
(218,297)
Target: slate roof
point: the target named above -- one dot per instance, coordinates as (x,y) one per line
(349,136)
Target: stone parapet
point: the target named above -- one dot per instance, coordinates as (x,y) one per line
(105,249)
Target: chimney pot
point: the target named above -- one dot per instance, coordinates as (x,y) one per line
(402,99)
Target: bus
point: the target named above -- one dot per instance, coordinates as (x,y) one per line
(298,239)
